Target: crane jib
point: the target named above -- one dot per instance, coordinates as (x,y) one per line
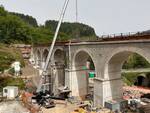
(44,71)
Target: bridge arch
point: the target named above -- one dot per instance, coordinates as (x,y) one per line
(44,57)
(45,54)
(38,58)
(59,64)
(118,57)
(59,56)
(113,67)
(80,77)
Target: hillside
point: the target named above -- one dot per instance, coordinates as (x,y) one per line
(8,55)
(20,28)
(28,19)
(74,30)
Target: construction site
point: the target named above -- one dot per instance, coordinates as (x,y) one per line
(77,76)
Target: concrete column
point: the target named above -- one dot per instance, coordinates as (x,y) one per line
(42,64)
(67,78)
(55,80)
(61,75)
(105,90)
(38,63)
(78,83)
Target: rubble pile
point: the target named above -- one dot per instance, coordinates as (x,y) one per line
(134,92)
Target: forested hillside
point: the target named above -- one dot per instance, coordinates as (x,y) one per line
(28,19)
(72,29)
(136,61)
(20,28)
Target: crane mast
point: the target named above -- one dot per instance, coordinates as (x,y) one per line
(48,59)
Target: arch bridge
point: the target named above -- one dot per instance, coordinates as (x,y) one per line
(108,57)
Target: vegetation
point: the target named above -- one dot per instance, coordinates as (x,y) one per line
(8,55)
(136,61)
(130,78)
(12,28)
(26,18)
(10,81)
(20,28)
(74,30)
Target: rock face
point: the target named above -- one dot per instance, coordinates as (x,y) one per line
(12,107)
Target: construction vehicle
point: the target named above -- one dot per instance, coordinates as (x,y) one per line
(46,82)
(43,84)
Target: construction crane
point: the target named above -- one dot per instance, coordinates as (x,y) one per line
(42,86)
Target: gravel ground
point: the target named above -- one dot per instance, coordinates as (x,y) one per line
(12,107)
(60,108)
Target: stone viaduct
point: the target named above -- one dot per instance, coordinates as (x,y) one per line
(107,56)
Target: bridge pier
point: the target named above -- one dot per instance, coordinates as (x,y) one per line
(107,89)
(77,83)
(42,64)
(38,63)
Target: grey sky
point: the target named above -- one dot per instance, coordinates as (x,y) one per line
(106,16)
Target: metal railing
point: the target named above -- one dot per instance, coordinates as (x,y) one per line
(120,35)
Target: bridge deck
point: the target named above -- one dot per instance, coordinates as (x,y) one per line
(102,39)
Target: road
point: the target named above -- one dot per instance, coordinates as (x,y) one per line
(136,70)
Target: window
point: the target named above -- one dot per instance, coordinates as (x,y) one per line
(5,90)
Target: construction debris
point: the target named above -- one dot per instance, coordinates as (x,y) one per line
(64,92)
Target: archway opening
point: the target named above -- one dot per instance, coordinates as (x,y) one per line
(45,54)
(116,67)
(135,71)
(38,59)
(59,62)
(83,84)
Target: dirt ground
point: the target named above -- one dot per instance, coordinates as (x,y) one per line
(12,107)
(61,108)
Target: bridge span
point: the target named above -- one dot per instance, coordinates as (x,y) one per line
(108,56)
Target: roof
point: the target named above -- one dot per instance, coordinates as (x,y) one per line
(10,87)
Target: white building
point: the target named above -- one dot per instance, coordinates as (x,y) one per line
(10,92)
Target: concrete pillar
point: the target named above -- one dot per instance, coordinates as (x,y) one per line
(78,83)
(67,78)
(61,75)
(105,90)
(42,64)
(38,63)
(55,80)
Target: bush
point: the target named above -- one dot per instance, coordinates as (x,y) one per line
(136,61)
(10,81)
(8,55)
(130,78)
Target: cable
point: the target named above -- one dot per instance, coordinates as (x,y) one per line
(76,11)
(48,59)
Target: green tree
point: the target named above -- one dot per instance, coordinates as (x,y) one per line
(136,61)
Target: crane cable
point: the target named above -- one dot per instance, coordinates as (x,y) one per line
(48,59)
(76,11)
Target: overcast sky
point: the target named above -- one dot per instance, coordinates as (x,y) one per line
(106,16)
